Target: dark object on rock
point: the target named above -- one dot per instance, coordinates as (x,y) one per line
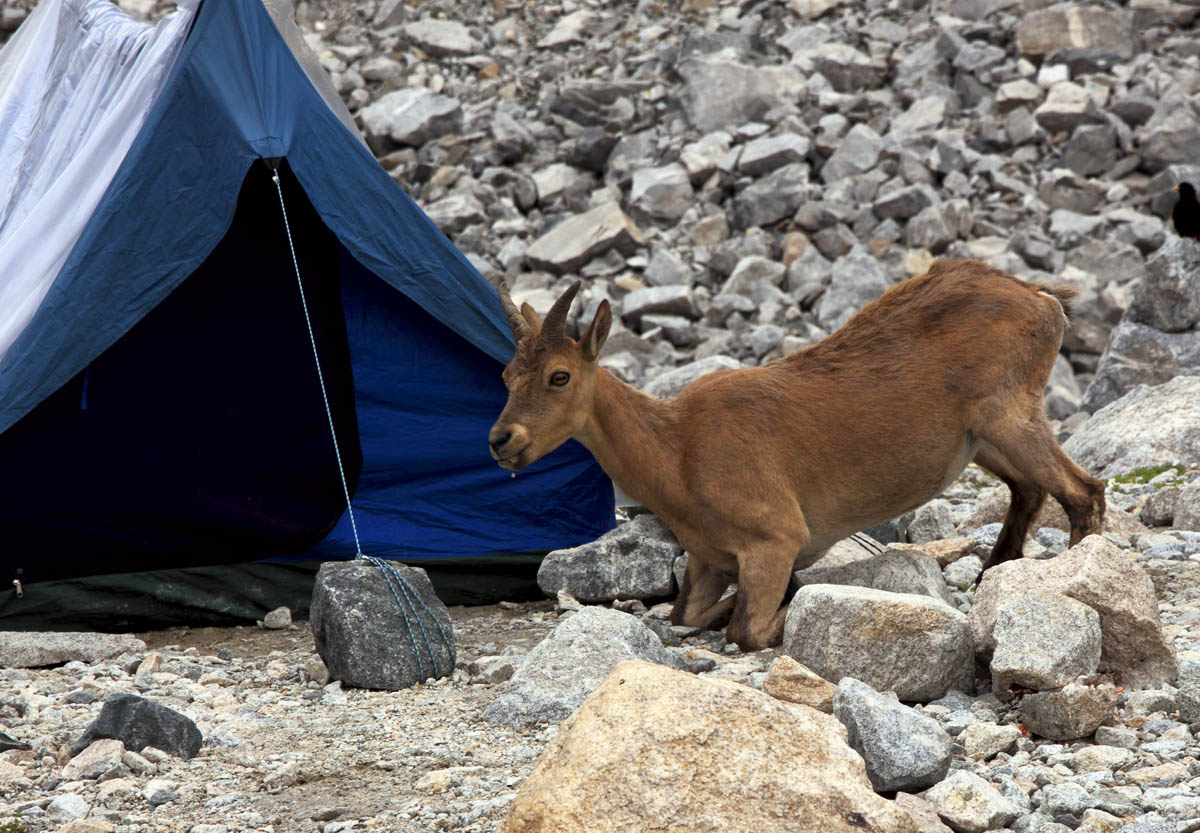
(380,629)
(138,723)
(8,742)
(1186,215)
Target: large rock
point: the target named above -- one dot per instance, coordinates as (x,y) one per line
(1187,507)
(1064,27)
(412,116)
(857,279)
(1149,426)
(657,750)
(380,632)
(563,669)
(39,649)
(916,646)
(896,571)
(903,750)
(1167,297)
(574,242)
(138,723)
(1140,355)
(673,381)
(632,561)
(1043,641)
(1098,574)
(720,92)
(970,804)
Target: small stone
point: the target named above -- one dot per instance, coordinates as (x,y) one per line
(1075,711)
(986,740)
(573,242)
(970,804)
(98,758)
(278,619)
(789,680)
(159,791)
(68,807)
(442,37)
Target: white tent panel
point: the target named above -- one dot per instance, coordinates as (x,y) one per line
(76,84)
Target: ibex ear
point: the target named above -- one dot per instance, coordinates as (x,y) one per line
(531,318)
(597,332)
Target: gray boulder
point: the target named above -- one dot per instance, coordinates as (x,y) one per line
(1187,507)
(1066,107)
(857,153)
(1148,426)
(1172,133)
(1167,297)
(1138,354)
(632,561)
(905,202)
(896,571)
(932,522)
(138,723)
(1074,711)
(856,279)
(773,197)
(674,381)
(916,646)
(658,300)
(561,670)
(764,155)
(39,649)
(661,193)
(1043,641)
(718,91)
(1068,26)
(903,750)
(442,37)
(573,242)
(1188,698)
(1098,574)
(380,631)
(412,116)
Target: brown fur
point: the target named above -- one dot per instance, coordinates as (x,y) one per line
(758,471)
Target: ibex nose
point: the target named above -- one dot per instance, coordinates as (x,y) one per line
(498,437)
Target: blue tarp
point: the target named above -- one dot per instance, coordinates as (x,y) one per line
(424,331)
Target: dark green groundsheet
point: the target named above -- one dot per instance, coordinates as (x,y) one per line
(234,594)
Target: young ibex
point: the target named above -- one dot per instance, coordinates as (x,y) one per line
(758,471)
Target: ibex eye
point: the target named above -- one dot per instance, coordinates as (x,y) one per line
(559,378)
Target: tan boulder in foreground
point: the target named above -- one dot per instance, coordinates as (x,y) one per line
(654,749)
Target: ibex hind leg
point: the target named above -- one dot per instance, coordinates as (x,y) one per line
(1029,448)
(699,603)
(1025,501)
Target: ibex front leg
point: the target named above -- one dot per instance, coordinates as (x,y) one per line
(699,604)
(763,575)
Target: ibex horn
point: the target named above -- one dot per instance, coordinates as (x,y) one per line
(554,325)
(516,321)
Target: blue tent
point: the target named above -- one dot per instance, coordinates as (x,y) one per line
(161,407)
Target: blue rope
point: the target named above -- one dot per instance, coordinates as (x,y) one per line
(390,574)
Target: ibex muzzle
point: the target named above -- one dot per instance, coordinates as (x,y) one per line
(758,471)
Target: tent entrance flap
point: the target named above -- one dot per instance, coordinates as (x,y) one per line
(204,439)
